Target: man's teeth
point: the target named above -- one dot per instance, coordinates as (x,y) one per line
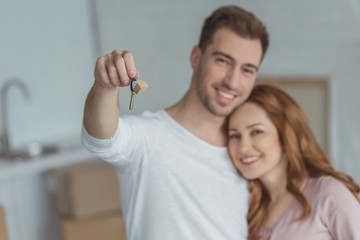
(249,159)
(226,95)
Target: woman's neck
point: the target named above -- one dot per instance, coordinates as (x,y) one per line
(275,181)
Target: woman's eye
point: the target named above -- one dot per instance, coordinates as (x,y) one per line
(234,136)
(256,132)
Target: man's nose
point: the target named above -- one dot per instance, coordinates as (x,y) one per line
(233,79)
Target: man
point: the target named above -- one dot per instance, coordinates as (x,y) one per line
(176,179)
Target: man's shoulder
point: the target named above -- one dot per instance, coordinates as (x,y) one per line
(145,117)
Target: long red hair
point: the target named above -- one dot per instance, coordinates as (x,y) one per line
(305,156)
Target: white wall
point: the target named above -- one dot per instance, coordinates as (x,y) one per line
(310,38)
(49,45)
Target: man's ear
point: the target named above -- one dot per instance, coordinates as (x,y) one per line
(195,57)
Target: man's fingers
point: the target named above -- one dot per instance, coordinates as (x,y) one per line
(120,64)
(100,73)
(115,69)
(112,71)
(130,64)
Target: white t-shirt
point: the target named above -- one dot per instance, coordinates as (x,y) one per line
(173,185)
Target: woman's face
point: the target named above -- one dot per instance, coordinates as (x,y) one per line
(254,144)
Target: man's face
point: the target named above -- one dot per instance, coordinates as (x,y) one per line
(225,73)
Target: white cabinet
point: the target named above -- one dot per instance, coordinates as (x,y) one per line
(29,214)
(25,197)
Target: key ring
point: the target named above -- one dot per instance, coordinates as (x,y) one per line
(131,84)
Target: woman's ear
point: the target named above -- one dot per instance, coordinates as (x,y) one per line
(195,57)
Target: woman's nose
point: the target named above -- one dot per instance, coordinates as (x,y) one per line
(244,145)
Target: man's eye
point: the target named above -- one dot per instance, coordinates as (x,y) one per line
(221,61)
(249,71)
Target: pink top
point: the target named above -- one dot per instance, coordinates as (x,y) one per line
(335,214)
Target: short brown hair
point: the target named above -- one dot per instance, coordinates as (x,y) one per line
(244,23)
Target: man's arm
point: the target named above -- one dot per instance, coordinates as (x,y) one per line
(101,113)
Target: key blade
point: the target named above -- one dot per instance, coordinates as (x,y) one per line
(132,99)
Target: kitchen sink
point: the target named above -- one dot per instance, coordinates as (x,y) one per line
(34,150)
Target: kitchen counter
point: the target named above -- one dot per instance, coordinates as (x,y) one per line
(20,168)
(26,191)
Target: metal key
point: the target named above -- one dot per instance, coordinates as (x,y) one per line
(133,94)
(136,87)
(132,99)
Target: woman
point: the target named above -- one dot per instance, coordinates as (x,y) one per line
(295,192)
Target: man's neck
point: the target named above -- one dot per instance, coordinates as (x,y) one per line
(193,116)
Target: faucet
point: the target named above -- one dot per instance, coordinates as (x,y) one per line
(11,82)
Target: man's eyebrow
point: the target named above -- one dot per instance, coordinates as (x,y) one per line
(232,59)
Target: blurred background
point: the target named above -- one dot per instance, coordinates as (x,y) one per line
(52,46)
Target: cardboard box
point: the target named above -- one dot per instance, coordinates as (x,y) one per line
(86,189)
(3,229)
(110,227)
